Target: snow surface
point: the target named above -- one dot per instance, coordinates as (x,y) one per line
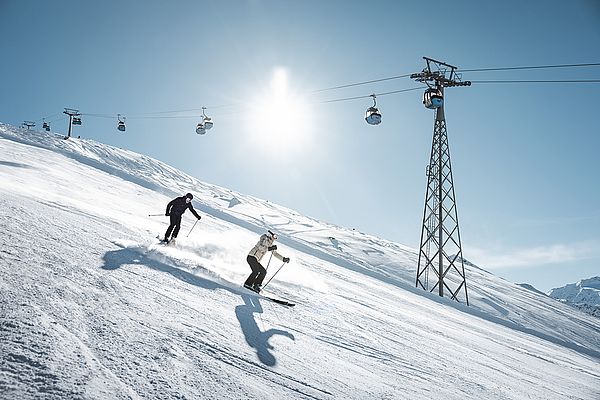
(92,307)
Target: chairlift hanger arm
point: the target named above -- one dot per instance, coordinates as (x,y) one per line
(374,100)
(439,63)
(426,77)
(439,74)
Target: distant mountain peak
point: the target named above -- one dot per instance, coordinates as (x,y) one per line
(584,295)
(593,283)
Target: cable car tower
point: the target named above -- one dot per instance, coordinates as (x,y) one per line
(74,119)
(28,124)
(440,248)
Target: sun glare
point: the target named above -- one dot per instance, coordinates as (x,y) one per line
(279,119)
(279,82)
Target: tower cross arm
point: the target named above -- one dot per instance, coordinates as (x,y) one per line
(457,83)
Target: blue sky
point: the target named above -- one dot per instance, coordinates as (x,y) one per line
(524,157)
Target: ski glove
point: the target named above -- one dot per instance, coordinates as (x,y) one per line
(167,214)
(199,217)
(286,259)
(271,248)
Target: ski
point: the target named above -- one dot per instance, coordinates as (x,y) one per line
(278,301)
(165,242)
(272,299)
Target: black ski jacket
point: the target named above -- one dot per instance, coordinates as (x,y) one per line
(178,206)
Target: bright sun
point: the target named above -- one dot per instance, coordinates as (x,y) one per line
(279,119)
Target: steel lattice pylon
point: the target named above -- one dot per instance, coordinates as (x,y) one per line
(440,248)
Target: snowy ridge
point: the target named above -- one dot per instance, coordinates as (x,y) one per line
(530,287)
(88,296)
(584,295)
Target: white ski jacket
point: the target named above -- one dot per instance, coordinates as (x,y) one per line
(262,246)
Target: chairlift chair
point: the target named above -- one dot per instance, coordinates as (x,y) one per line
(372,115)
(76,121)
(200,129)
(432,98)
(46,126)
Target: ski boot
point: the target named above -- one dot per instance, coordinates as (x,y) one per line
(252,287)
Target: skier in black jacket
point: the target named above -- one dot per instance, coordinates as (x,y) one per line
(175,210)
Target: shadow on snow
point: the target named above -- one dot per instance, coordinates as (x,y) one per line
(255,338)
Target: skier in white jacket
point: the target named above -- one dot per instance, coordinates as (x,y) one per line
(265,243)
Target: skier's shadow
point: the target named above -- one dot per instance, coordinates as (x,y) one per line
(117,258)
(245,312)
(254,336)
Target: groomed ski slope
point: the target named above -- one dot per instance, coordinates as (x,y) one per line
(92,307)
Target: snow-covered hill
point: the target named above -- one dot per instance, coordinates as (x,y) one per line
(530,287)
(92,307)
(583,295)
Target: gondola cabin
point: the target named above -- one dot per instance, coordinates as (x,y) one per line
(432,99)
(373,116)
(120,123)
(208,123)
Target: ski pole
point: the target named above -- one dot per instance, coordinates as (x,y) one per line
(269,262)
(155,215)
(265,285)
(193,227)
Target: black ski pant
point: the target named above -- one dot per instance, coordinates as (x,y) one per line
(258,272)
(175,225)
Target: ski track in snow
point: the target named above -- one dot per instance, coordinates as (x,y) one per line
(92,307)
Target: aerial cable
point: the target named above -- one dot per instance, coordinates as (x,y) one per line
(398,91)
(48,117)
(541,81)
(140,117)
(345,99)
(163,117)
(98,115)
(464,70)
(158,114)
(52,116)
(57,119)
(530,67)
(166,112)
(370,95)
(186,110)
(362,83)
